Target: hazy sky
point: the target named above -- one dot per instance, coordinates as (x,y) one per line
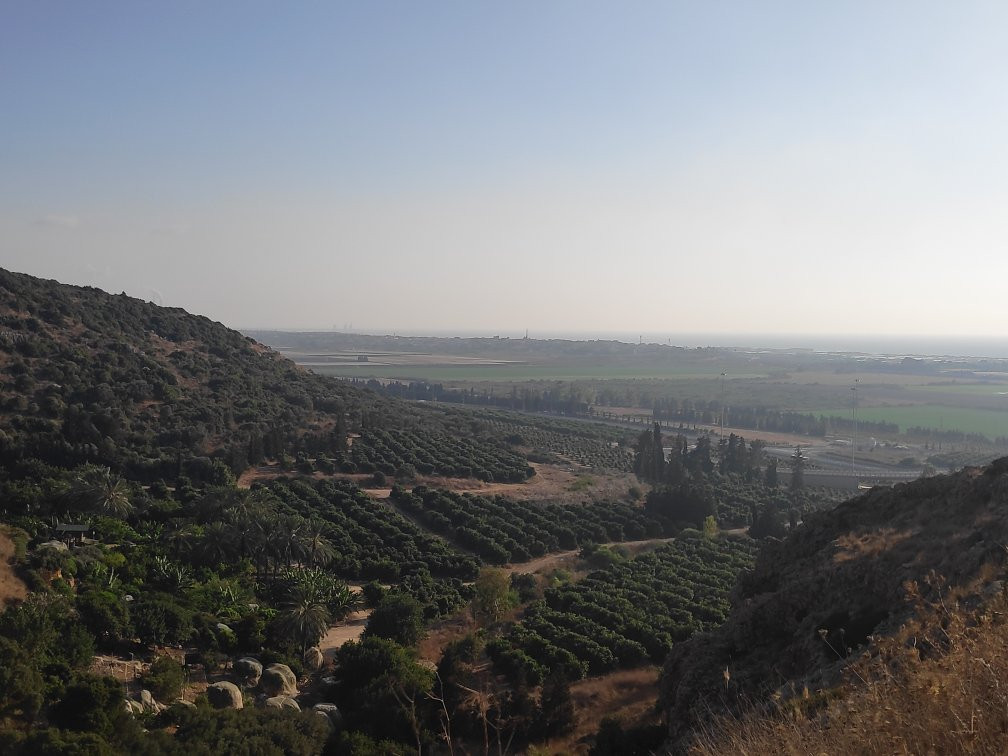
(623,166)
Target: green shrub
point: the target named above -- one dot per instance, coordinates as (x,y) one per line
(164,679)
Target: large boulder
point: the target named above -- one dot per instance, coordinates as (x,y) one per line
(148,702)
(283,702)
(249,670)
(331,712)
(225,695)
(313,658)
(278,680)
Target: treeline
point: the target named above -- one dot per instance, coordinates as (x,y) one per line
(557,401)
(732,482)
(575,400)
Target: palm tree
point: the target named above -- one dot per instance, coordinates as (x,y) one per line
(304,614)
(110,495)
(96,489)
(316,546)
(216,546)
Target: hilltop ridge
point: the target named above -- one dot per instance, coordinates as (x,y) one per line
(817,600)
(151,391)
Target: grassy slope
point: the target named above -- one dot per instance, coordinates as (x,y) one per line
(845,575)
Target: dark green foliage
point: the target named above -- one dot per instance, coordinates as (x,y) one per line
(556,707)
(688,502)
(389,452)
(501,530)
(373,593)
(105,615)
(359,744)
(46,627)
(21,687)
(398,617)
(377,679)
(154,392)
(54,742)
(370,539)
(249,732)
(94,704)
(625,614)
(164,679)
(159,619)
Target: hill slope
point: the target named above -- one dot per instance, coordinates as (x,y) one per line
(151,391)
(814,602)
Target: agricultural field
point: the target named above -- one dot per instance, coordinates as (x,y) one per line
(433,453)
(577,444)
(369,539)
(990,423)
(626,614)
(508,372)
(951,392)
(502,531)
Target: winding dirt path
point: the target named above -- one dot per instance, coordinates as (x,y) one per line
(552,560)
(350,629)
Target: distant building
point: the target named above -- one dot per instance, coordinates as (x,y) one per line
(72,532)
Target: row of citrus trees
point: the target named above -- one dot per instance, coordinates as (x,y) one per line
(433,453)
(584,445)
(369,539)
(626,614)
(501,531)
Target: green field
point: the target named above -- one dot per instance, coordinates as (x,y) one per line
(999,390)
(988,422)
(515,372)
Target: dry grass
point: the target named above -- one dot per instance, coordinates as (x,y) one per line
(938,686)
(860,545)
(628,695)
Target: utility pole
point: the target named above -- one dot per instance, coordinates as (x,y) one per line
(723,375)
(853,446)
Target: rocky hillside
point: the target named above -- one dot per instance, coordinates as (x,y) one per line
(152,392)
(820,599)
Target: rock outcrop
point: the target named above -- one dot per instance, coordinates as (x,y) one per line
(278,680)
(282,702)
(248,670)
(225,695)
(331,712)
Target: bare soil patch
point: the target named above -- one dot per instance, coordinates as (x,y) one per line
(350,629)
(551,482)
(12,589)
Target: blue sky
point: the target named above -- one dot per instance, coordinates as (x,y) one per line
(679,167)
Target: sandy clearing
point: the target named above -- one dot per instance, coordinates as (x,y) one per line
(350,629)
(551,482)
